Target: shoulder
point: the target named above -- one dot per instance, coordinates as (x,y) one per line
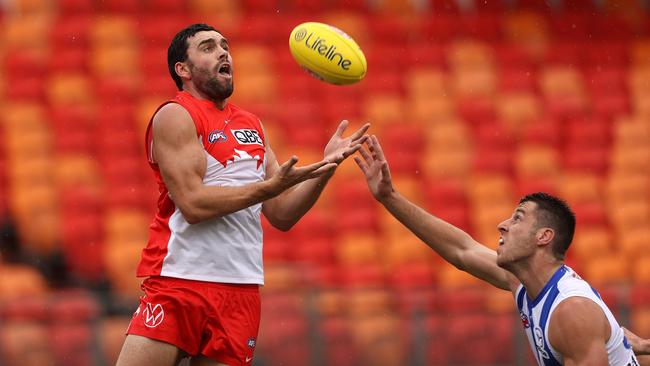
(172,117)
(574,318)
(573,285)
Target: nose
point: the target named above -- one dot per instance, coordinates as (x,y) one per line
(223,53)
(503,226)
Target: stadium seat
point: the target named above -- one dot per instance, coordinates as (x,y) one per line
(498,302)
(282,277)
(626,187)
(516,66)
(591,242)
(26,343)
(606,270)
(120,259)
(126,225)
(425,81)
(627,160)
(469,54)
(15,28)
(474,329)
(76,170)
(450,277)
(382,109)
(588,130)
(20,281)
(401,251)
(633,243)
(338,345)
(430,110)
(526,28)
(537,161)
(518,109)
(586,159)
(353,250)
(629,214)
(477,81)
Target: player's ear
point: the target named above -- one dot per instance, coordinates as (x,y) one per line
(544,235)
(183,70)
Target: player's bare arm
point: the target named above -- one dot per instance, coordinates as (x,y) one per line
(182,163)
(450,242)
(287,208)
(579,330)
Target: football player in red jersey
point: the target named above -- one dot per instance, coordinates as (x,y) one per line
(217,174)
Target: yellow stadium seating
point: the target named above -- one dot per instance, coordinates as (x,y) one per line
(581,187)
(606,270)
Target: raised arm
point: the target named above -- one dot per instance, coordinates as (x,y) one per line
(450,242)
(287,208)
(182,163)
(579,330)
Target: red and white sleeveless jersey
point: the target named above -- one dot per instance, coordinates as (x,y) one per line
(226,249)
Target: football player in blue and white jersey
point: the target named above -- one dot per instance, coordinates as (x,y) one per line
(565,320)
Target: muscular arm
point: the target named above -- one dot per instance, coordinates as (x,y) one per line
(182,164)
(450,242)
(579,330)
(286,209)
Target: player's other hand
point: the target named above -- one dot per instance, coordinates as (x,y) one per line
(639,345)
(374,166)
(289,174)
(339,148)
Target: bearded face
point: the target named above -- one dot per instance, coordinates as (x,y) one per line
(217,83)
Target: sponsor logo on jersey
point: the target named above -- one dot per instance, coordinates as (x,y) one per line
(247,136)
(539,342)
(251,342)
(217,136)
(524,320)
(153,315)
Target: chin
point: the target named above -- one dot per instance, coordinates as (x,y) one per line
(502,262)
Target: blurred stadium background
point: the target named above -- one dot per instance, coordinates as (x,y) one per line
(476,102)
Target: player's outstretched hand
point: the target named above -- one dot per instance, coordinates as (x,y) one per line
(639,345)
(339,148)
(374,166)
(289,174)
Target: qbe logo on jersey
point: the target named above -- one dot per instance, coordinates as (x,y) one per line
(247,137)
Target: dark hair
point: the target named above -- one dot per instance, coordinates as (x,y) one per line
(177,51)
(554,213)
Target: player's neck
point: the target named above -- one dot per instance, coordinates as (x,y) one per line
(193,91)
(535,273)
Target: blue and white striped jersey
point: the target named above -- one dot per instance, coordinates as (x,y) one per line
(536,314)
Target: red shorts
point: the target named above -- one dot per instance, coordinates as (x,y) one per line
(216,320)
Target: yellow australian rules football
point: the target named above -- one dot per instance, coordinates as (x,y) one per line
(327,53)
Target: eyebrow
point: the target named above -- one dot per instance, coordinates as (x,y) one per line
(208,40)
(520,210)
(212,40)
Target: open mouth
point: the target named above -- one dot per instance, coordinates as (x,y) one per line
(501,241)
(225,69)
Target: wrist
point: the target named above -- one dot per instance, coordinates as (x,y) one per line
(645,346)
(269,189)
(388,198)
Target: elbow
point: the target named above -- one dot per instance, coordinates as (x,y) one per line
(283,225)
(191,213)
(192,217)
